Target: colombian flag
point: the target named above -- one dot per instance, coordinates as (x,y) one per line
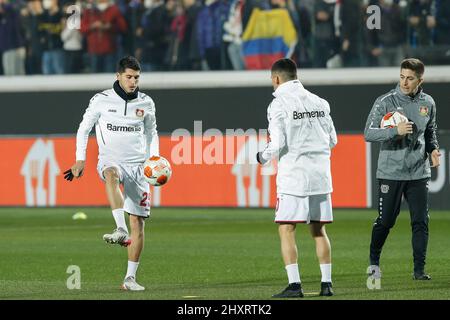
(270,35)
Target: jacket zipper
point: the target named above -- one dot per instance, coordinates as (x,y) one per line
(125,112)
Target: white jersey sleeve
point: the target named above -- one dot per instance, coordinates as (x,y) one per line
(277,131)
(332,129)
(151,133)
(90,118)
(333,136)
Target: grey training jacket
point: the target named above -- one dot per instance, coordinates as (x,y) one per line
(404,158)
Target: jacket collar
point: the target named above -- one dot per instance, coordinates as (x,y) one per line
(406,97)
(289,86)
(121,93)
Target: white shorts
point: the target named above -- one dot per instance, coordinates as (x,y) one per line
(136,191)
(295,209)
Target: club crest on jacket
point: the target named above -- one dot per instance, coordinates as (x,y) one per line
(139,113)
(423,111)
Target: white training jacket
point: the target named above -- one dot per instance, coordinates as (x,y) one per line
(301,133)
(125,129)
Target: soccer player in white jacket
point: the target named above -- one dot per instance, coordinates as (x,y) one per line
(125,126)
(301,135)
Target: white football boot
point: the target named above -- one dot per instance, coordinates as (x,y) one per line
(374,270)
(130,284)
(119,236)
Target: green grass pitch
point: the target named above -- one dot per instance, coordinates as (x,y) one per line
(207,254)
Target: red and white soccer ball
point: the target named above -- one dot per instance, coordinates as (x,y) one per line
(157,171)
(392,119)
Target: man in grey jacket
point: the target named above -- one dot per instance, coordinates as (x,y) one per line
(404,162)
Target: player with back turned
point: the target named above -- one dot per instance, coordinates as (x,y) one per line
(301,134)
(404,163)
(125,125)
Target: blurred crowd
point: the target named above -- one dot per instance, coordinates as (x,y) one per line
(63,36)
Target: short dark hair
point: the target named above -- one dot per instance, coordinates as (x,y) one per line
(128,62)
(415,65)
(286,68)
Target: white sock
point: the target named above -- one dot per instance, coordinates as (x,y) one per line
(326,272)
(132,268)
(119,217)
(293,273)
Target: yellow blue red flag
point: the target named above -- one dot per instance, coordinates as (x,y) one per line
(270,35)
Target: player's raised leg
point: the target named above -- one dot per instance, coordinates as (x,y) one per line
(115,198)
(121,154)
(323,252)
(290,257)
(134,253)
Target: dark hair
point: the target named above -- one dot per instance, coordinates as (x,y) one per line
(415,65)
(286,68)
(128,62)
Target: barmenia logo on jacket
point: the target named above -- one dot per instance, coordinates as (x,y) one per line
(307,114)
(112,127)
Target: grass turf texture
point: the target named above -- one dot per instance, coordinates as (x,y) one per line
(207,254)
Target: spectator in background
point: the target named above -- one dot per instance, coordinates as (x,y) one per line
(233,34)
(190,55)
(122,5)
(134,12)
(32,19)
(11,40)
(443,22)
(422,22)
(148,6)
(309,4)
(66,3)
(302,24)
(201,30)
(386,45)
(290,7)
(156,34)
(73,46)
(325,41)
(303,50)
(51,26)
(176,33)
(17,5)
(248,7)
(210,23)
(101,24)
(183,51)
(351,24)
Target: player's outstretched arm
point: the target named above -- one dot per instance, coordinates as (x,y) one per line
(75,171)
